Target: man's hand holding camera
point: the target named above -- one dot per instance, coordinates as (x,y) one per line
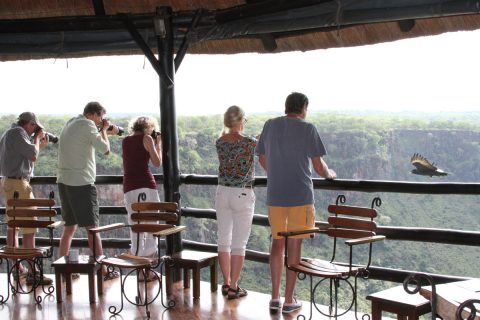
(112,129)
(41,137)
(105,125)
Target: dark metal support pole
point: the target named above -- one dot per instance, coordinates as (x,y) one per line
(171,173)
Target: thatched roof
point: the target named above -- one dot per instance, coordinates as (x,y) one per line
(34,29)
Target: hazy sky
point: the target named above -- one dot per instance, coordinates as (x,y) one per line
(428,74)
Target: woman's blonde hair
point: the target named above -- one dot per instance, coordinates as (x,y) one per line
(233,116)
(142,123)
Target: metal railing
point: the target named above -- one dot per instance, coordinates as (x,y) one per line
(429,235)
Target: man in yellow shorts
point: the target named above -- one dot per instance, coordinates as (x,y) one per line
(18,153)
(286,147)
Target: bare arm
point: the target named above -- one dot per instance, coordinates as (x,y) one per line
(104,135)
(40,140)
(322,169)
(153,149)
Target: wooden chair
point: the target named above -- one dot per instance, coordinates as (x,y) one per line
(456,300)
(356,225)
(147,218)
(43,214)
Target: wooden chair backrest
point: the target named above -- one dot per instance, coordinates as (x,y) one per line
(351,222)
(155,211)
(30,208)
(150,227)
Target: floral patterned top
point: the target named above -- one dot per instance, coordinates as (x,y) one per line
(237,165)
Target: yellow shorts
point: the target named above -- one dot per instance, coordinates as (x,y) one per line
(24,189)
(291,219)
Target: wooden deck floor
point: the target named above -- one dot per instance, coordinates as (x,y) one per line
(77,306)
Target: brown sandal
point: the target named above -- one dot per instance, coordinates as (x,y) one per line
(238,293)
(225,289)
(111,275)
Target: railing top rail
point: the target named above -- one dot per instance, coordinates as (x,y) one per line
(466,188)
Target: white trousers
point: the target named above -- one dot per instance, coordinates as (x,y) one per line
(235,207)
(147,245)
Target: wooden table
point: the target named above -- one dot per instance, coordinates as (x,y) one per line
(397,300)
(195,261)
(451,295)
(85,264)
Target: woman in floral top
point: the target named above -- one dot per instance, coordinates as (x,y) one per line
(235,199)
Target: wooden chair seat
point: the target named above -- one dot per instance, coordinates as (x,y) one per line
(126,260)
(9,249)
(126,263)
(21,253)
(322,268)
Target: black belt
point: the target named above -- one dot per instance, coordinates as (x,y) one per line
(248,187)
(17,178)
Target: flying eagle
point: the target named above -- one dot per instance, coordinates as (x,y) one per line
(424,167)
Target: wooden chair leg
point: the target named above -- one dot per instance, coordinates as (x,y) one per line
(91,286)
(100,281)
(58,286)
(213,276)
(186,278)
(196,282)
(68,283)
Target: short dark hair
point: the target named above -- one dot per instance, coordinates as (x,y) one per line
(295,102)
(94,107)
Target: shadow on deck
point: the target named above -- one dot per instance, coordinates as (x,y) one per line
(211,305)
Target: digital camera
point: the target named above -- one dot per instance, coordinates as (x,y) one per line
(155,134)
(120,130)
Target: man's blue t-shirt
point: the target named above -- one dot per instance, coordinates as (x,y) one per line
(288,144)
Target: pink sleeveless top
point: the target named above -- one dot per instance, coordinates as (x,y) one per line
(136,173)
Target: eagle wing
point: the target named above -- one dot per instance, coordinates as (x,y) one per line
(421,163)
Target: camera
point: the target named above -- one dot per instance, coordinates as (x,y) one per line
(155,134)
(120,130)
(52,138)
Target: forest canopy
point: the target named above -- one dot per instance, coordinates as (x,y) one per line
(359,146)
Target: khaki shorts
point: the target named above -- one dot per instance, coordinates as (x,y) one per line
(9,186)
(291,219)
